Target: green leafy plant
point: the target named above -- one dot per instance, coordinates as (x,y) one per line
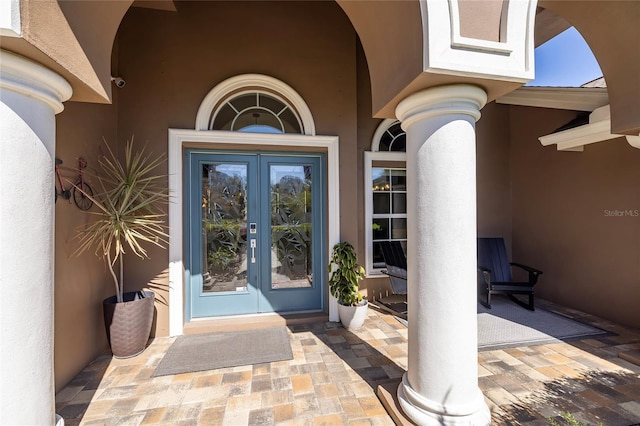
(345,274)
(130,209)
(223,257)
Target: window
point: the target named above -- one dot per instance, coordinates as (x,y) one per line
(256,112)
(386,192)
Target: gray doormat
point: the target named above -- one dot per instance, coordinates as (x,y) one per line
(507,325)
(210,351)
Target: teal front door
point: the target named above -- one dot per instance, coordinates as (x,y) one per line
(256,232)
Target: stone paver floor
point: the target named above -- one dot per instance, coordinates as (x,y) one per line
(335,372)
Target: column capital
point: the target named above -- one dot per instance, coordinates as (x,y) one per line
(28,78)
(442,100)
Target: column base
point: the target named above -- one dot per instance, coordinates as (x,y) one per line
(426,412)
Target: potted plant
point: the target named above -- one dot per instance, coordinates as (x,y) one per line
(345,274)
(129,201)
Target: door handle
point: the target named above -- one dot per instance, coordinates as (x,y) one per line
(253,250)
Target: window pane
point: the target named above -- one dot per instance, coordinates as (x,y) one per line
(224,118)
(224,232)
(399,144)
(244,101)
(398,180)
(381,203)
(290,122)
(291,236)
(399,229)
(385,142)
(257,117)
(381,180)
(378,258)
(256,112)
(400,202)
(381,229)
(270,103)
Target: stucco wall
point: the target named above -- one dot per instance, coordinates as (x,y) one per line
(171,60)
(493,172)
(81,283)
(565,221)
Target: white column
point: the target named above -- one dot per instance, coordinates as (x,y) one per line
(440,386)
(30,96)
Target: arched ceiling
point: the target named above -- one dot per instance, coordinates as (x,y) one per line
(611,30)
(75,39)
(413,45)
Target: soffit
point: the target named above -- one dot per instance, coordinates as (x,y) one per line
(74,39)
(569,98)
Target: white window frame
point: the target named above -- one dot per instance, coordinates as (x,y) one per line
(369,158)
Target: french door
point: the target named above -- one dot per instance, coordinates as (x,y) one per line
(256,232)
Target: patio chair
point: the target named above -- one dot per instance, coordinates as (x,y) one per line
(494,274)
(396,262)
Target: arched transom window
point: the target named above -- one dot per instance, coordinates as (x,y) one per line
(258,112)
(392,139)
(255,103)
(385,191)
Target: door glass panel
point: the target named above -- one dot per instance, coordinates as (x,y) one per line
(224,227)
(291,239)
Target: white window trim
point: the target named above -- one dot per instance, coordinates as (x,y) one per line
(209,139)
(369,158)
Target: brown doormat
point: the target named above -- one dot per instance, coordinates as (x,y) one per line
(210,351)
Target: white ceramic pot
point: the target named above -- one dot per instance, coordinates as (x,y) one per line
(353,316)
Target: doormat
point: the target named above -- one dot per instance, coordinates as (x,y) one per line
(200,352)
(508,325)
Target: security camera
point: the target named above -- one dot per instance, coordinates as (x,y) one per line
(119,82)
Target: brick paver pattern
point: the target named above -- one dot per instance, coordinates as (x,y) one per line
(333,377)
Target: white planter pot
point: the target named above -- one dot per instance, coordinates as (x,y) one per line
(353,316)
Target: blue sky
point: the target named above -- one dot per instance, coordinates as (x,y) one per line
(565,61)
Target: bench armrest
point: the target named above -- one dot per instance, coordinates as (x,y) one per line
(533,272)
(396,274)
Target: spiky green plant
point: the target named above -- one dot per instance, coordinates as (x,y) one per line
(130,203)
(345,274)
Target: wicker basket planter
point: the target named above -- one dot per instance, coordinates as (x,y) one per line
(128,323)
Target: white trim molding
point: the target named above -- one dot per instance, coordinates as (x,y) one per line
(178,138)
(254,81)
(446,51)
(570,98)
(597,130)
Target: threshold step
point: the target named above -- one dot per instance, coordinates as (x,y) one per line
(252,322)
